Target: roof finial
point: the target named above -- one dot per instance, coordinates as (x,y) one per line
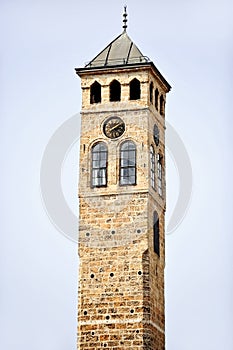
(125,19)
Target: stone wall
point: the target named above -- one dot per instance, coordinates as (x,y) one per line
(121,278)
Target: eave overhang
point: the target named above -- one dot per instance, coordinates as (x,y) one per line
(113,68)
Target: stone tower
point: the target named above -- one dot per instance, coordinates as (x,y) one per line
(122,201)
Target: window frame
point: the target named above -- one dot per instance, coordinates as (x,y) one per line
(134,166)
(100,167)
(152,167)
(160,174)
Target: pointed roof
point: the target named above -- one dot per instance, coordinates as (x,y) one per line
(121,51)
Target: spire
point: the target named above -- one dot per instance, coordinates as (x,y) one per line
(125,19)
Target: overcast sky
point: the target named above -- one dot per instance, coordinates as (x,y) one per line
(190,42)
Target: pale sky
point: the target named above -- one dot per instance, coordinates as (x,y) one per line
(190,42)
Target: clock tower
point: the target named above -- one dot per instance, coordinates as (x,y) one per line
(122,200)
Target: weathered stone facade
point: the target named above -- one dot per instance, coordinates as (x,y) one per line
(121,278)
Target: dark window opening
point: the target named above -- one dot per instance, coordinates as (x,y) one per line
(134,90)
(128,163)
(156,98)
(99,155)
(156,233)
(95,93)
(162,105)
(151,92)
(115,91)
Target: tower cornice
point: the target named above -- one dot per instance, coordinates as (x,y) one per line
(84,71)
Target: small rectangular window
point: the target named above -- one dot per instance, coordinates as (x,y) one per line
(156,233)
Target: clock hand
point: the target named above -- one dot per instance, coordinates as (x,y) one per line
(115,126)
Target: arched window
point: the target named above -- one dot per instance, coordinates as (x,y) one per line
(152,166)
(160,174)
(99,158)
(115,91)
(134,89)
(128,163)
(151,92)
(156,98)
(156,232)
(162,105)
(95,93)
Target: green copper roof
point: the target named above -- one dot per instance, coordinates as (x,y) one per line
(121,51)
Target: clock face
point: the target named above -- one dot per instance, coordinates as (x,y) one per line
(114,127)
(156,134)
